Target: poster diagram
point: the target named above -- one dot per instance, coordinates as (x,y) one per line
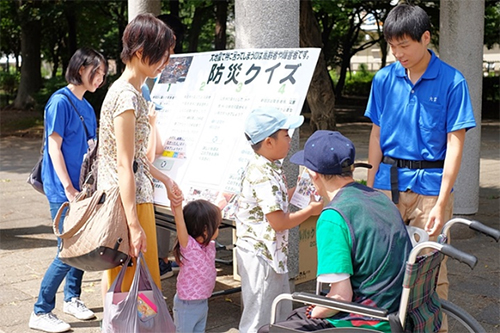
(206,98)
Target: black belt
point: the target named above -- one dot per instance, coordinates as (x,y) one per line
(398,163)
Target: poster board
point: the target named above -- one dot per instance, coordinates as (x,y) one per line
(205,99)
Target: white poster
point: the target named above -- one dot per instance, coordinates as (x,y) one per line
(206,98)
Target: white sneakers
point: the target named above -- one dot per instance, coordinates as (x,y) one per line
(48,322)
(77,308)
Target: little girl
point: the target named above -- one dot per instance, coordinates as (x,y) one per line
(197,227)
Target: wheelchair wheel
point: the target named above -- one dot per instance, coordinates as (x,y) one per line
(459,320)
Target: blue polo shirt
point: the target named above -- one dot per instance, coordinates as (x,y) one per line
(414,120)
(61,117)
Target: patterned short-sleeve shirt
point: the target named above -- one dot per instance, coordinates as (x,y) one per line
(263,191)
(196,279)
(121,97)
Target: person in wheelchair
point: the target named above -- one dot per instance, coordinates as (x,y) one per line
(362,242)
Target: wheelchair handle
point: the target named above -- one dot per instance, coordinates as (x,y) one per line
(478,226)
(461,256)
(474,225)
(446,249)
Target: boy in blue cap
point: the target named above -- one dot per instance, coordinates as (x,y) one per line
(263,217)
(361,239)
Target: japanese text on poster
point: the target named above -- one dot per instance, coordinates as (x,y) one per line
(205,98)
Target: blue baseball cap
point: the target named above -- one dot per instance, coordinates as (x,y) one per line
(263,122)
(327,153)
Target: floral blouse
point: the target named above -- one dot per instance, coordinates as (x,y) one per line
(122,96)
(263,191)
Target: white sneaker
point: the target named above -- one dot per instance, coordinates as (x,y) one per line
(77,308)
(48,322)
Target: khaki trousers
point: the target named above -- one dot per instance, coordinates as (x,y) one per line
(415,209)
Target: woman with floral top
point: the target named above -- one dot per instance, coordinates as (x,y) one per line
(124,132)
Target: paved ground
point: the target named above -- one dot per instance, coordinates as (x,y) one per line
(27,245)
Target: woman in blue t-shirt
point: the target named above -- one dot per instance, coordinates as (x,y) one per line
(70,122)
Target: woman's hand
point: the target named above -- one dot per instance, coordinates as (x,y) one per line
(71,193)
(152,114)
(137,238)
(174,193)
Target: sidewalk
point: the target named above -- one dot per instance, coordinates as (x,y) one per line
(28,245)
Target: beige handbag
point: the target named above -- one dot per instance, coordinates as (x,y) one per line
(95,235)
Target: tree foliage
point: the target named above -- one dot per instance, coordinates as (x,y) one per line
(53,29)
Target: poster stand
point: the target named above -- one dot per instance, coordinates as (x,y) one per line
(204,99)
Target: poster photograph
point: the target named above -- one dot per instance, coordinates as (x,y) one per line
(205,99)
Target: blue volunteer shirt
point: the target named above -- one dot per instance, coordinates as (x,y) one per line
(414,120)
(61,117)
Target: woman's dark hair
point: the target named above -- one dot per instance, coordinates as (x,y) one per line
(149,34)
(202,218)
(406,20)
(85,57)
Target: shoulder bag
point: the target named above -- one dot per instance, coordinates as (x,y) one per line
(95,235)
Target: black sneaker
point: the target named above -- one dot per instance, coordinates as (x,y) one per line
(165,269)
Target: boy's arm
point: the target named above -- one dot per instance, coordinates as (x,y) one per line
(281,221)
(374,154)
(452,161)
(341,291)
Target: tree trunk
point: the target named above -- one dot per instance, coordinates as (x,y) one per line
(122,24)
(197,23)
(174,7)
(346,62)
(31,77)
(320,96)
(220,24)
(55,61)
(383,52)
(71,18)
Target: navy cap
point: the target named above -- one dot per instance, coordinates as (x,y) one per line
(263,122)
(327,153)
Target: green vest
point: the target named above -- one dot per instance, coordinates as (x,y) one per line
(380,246)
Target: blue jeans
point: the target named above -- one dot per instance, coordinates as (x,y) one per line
(190,316)
(55,274)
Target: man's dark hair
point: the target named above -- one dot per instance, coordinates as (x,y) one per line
(85,57)
(150,34)
(406,20)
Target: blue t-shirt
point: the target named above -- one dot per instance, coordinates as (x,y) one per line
(61,117)
(414,120)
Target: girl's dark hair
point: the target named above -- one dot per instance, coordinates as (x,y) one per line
(82,58)
(406,20)
(149,34)
(202,218)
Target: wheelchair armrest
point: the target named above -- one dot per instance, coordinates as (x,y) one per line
(309,298)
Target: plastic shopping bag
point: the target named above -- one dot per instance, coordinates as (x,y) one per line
(142,309)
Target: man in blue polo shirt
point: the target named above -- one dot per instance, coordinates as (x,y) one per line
(420,109)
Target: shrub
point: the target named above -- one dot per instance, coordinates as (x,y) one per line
(359,83)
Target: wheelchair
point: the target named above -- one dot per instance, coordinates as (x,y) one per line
(415,312)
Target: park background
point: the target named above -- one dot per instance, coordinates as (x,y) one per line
(46,33)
